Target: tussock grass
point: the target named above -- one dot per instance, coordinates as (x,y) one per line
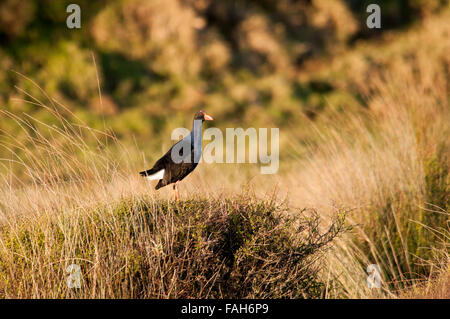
(69,202)
(143,248)
(390,163)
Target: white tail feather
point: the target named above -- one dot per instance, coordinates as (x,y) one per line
(157,175)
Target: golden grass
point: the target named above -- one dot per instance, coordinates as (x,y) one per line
(389,165)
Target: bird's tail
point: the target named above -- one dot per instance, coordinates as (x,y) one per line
(145,173)
(152,174)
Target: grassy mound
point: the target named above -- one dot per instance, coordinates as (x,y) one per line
(198,248)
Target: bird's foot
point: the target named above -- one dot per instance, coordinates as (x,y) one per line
(177,194)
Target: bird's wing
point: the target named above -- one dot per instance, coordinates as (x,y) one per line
(167,160)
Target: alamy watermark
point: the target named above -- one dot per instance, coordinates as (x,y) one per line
(74,278)
(234,149)
(73,21)
(374,278)
(373,21)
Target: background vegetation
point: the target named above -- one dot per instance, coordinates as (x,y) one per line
(363,117)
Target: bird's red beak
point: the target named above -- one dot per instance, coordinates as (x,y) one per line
(208,117)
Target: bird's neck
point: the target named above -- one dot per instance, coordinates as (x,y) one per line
(196,136)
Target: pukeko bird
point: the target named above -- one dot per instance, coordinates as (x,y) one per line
(181,159)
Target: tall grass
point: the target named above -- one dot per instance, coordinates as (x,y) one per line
(143,248)
(391,165)
(70,194)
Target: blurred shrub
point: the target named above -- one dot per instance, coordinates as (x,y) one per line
(70,70)
(103,106)
(246,61)
(161,32)
(231,248)
(216,55)
(15,15)
(259,45)
(335,21)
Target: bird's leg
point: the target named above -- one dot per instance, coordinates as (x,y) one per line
(175,187)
